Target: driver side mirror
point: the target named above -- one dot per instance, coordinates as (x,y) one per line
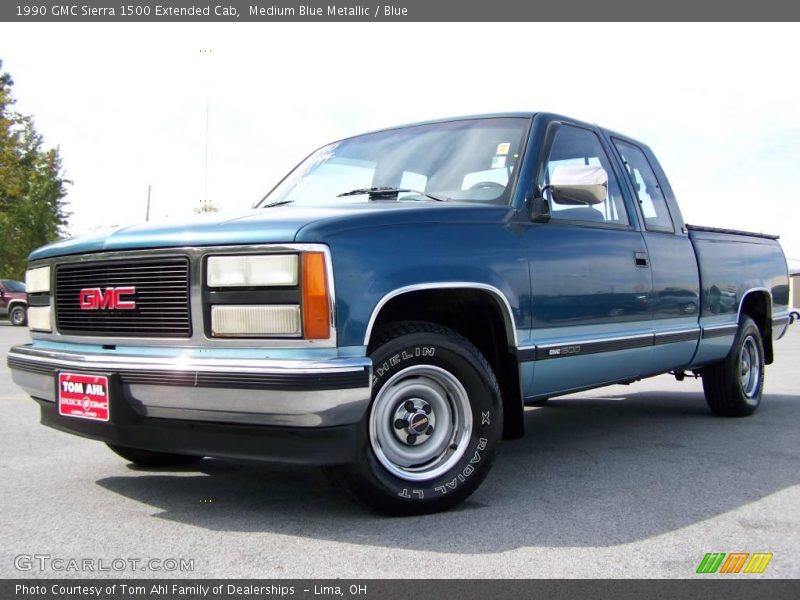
(581,185)
(540,209)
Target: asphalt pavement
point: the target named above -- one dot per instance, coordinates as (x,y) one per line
(626,481)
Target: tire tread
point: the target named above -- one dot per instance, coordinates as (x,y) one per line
(342,477)
(720,385)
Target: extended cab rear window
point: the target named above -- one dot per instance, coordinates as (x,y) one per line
(645,184)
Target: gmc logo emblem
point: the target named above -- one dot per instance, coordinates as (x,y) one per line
(111,299)
(564,350)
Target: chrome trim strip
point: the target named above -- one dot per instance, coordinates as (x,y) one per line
(744,296)
(182,363)
(321,408)
(286,393)
(279,408)
(583,348)
(599,345)
(720,326)
(677,336)
(676,331)
(586,341)
(720,330)
(508,316)
(196,255)
(13,302)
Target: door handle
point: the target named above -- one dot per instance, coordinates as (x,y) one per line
(641,259)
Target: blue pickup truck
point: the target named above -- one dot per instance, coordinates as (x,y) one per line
(389,309)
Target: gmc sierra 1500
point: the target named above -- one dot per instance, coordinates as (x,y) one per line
(391,306)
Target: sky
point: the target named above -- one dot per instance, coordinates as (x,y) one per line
(126,103)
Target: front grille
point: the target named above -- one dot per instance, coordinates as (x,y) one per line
(162,298)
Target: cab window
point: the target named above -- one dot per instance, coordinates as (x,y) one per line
(648,191)
(575,146)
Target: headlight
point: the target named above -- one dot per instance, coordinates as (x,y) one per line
(37,280)
(252,271)
(302,309)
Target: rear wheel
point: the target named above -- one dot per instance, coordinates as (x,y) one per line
(148,458)
(18,316)
(429,436)
(733,387)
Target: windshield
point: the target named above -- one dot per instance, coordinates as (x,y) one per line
(471,160)
(14,286)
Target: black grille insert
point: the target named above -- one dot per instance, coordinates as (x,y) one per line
(162,298)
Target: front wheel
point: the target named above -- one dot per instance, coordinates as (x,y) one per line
(733,387)
(429,436)
(18,316)
(149,458)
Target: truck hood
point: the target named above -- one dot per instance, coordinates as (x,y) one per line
(267,225)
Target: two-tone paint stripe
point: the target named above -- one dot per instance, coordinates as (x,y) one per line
(719,331)
(596,346)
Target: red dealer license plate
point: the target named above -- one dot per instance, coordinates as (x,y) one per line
(83,396)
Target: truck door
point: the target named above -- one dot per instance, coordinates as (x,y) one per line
(3,300)
(676,281)
(590,288)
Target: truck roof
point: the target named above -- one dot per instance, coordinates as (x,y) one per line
(502,115)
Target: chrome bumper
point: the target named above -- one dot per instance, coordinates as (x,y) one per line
(288,393)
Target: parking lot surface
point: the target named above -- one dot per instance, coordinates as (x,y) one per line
(625,481)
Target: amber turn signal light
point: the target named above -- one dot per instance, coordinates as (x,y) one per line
(316,303)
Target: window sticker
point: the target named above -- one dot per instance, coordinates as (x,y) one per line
(503,148)
(498,162)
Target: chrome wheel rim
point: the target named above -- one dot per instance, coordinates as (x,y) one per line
(750,368)
(17,316)
(420,423)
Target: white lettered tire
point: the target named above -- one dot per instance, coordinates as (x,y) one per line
(429,436)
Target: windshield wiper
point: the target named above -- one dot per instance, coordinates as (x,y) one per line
(278,203)
(378,193)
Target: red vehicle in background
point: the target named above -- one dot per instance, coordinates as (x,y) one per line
(13,301)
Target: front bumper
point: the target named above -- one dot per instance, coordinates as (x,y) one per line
(253,408)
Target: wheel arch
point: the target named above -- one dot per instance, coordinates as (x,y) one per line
(479,312)
(14,303)
(756,303)
(497,296)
